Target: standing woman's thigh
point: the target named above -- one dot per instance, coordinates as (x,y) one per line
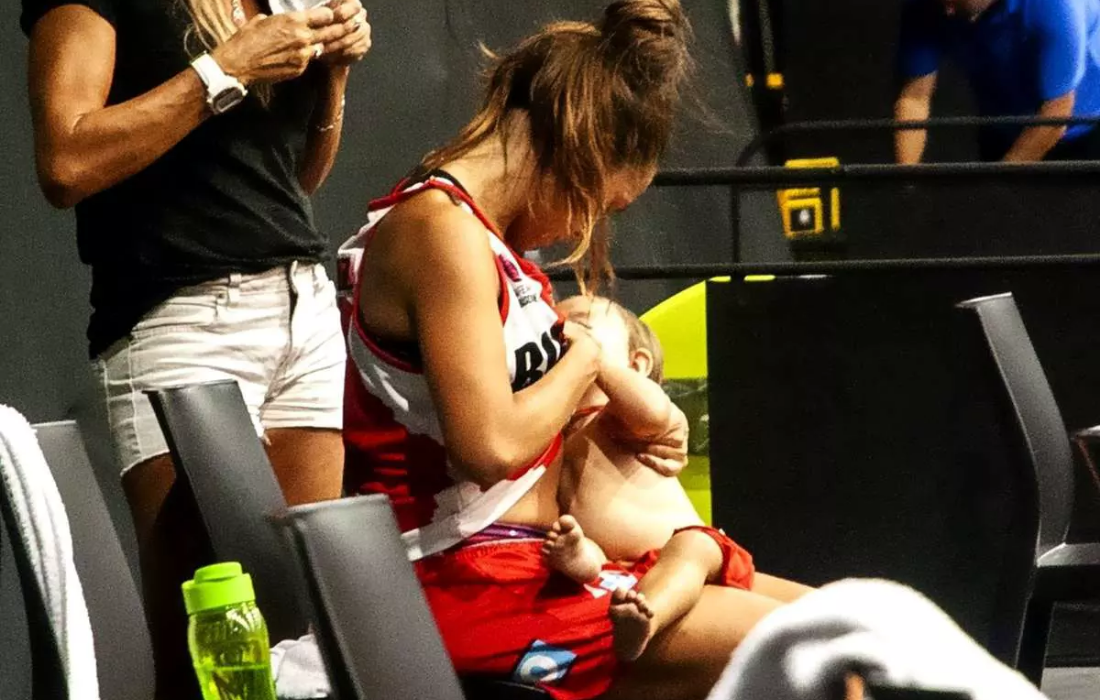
(685,660)
(304,408)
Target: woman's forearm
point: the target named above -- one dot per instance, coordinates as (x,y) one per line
(325,131)
(103,147)
(499,442)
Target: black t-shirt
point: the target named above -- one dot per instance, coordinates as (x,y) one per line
(225,199)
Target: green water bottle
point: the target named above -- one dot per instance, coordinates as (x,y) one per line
(227,635)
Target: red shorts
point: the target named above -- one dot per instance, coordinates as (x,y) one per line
(503,613)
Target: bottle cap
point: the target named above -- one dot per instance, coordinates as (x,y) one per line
(218,586)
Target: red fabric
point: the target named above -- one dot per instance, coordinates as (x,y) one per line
(382,456)
(502,611)
(737,570)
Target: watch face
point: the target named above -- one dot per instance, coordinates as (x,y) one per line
(226,100)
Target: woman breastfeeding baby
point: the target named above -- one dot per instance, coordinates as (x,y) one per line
(522,444)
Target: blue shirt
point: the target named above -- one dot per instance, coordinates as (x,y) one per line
(1017,55)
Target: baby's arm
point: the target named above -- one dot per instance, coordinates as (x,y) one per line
(639,406)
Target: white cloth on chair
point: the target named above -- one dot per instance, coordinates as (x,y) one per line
(804,650)
(299,670)
(44,533)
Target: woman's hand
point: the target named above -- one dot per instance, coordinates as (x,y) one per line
(355,42)
(278,48)
(580,340)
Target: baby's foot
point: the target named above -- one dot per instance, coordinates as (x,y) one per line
(631,623)
(570,552)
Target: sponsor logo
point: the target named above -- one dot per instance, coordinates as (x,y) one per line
(543,664)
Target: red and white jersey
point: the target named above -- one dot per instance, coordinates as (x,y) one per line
(392,436)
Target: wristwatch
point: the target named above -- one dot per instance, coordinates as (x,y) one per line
(223,92)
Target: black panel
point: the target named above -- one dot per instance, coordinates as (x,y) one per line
(853,436)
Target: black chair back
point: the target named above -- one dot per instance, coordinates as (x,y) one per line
(1036,411)
(124,655)
(376,632)
(215,448)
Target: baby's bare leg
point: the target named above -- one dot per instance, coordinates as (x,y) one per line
(570,552)
(666,593)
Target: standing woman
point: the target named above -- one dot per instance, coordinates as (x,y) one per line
(188,135)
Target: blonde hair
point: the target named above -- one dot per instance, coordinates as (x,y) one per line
(600,98)
(211,24)
(641,337)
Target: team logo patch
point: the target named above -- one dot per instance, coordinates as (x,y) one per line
(543,664)
(610,581)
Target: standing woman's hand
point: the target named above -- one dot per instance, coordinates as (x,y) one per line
(356,40)
(273,49)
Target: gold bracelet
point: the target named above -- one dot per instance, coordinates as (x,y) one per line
(336,120)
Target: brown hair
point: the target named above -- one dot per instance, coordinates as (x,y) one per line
(600,98)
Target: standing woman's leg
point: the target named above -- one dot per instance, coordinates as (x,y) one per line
(171,545)
(243,330)
(169,346)
(304,409)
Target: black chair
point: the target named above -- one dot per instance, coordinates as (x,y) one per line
(215,449)
(214,444)
(376,632)
(124,656)
(1063,572)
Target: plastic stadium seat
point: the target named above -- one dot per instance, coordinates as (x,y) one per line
(680,323)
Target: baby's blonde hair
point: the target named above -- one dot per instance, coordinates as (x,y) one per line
(639,337)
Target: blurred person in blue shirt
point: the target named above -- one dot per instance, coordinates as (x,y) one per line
(1022,57)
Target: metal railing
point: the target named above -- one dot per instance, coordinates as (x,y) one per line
(741,178)
(827,267)
(857,125)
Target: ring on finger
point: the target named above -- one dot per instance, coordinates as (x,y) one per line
(318,50)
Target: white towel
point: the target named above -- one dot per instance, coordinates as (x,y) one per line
(803,649)
(298,670)
(44,531)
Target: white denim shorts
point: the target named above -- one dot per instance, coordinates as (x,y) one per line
(277,333)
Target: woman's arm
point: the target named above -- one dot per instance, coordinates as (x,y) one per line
(914,104)
(83,146)
(449,279)
(1035,142)
(327,124)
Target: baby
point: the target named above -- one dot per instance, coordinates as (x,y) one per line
(608,495)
